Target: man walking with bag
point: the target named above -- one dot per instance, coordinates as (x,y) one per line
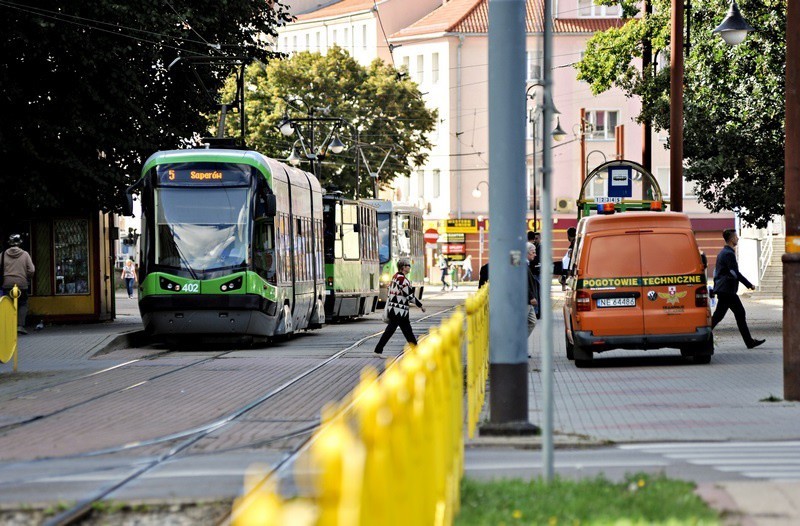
(726,282)
(18,269)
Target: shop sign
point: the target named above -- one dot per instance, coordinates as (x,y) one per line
(454,248)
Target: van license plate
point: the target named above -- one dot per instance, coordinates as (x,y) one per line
(616,302)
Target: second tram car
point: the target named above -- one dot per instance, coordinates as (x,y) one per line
(399,235)
(351,257)
(231,245)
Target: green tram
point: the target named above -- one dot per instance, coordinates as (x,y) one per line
(351,257)
(399,235)
(231,245)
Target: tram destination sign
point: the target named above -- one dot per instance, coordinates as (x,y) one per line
(203,174)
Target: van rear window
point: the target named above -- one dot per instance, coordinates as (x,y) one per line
(614,256)
(665,254)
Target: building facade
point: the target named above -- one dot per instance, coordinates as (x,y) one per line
(443,46)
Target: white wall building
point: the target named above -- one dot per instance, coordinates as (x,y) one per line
(444,47)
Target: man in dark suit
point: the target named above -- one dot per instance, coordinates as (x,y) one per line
(483,275)
(726,282)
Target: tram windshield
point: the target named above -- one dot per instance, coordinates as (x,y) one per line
(200,229)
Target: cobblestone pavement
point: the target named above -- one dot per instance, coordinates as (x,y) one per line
(626,397)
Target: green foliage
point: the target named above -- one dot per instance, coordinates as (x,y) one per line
(733,99)
(86,94)
(386,108)
(640,500)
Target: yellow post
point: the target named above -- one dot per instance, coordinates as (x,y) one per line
(373,417)
(339,458)
(8,327)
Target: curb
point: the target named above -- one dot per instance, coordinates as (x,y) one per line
(115,342)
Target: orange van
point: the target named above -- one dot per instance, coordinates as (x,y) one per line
(637,281)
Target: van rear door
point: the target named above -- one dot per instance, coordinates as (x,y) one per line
(612,282)
(672,274)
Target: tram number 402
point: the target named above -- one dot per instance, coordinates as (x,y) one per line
(191,287)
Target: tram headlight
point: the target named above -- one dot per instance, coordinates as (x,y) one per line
(234,284)
(167,284)
(385,278)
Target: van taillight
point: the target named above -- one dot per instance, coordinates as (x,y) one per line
(701,296)
(583,301)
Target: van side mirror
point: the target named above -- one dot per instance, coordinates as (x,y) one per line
(266,205)
(704,259)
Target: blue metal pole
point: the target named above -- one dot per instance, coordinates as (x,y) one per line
(547,249)
(508,296)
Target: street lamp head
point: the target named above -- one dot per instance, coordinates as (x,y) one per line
(734,27)
(559,133)
(336,146)
(476,192)
(293,158)
(286,126)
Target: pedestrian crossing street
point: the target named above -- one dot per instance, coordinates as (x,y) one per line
(778,460)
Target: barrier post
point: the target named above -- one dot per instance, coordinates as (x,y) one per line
(8,326)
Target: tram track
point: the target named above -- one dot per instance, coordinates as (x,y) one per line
(188,438)
(15,425)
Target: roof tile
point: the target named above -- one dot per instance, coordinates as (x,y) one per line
(344,7)
(472,16)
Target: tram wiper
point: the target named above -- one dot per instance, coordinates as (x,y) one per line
(184,261)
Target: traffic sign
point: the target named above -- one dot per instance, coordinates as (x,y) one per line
(431,236)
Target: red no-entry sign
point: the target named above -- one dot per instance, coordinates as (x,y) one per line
(431,236)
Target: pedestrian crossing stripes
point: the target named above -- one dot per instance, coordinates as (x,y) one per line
(778,460)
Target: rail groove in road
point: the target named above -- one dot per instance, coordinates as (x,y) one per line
(189,437)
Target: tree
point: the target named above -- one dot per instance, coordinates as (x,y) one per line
(733,99)
(86,93)
(384,106)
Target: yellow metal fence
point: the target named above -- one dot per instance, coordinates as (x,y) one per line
(392,452)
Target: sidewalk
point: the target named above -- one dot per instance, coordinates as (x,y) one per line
(69,346)
(614,402)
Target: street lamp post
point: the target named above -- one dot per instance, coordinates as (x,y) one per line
(313,153)
(558,134)
(733,30)
(590,154)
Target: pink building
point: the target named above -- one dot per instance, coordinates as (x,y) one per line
(444,47)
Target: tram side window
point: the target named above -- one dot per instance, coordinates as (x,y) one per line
(337,250)
(264,250)
(350,242)
(318,251)
(309,250)
(404,235)
(283,251)
(299,250)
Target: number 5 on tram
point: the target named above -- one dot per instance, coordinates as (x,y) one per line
(231,245)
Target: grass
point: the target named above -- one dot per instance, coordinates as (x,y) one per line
(771,398)
(639,500)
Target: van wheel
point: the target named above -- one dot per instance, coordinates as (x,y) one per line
(583,356)
(700,353)
(570,348)
(702,359)
(580,364)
